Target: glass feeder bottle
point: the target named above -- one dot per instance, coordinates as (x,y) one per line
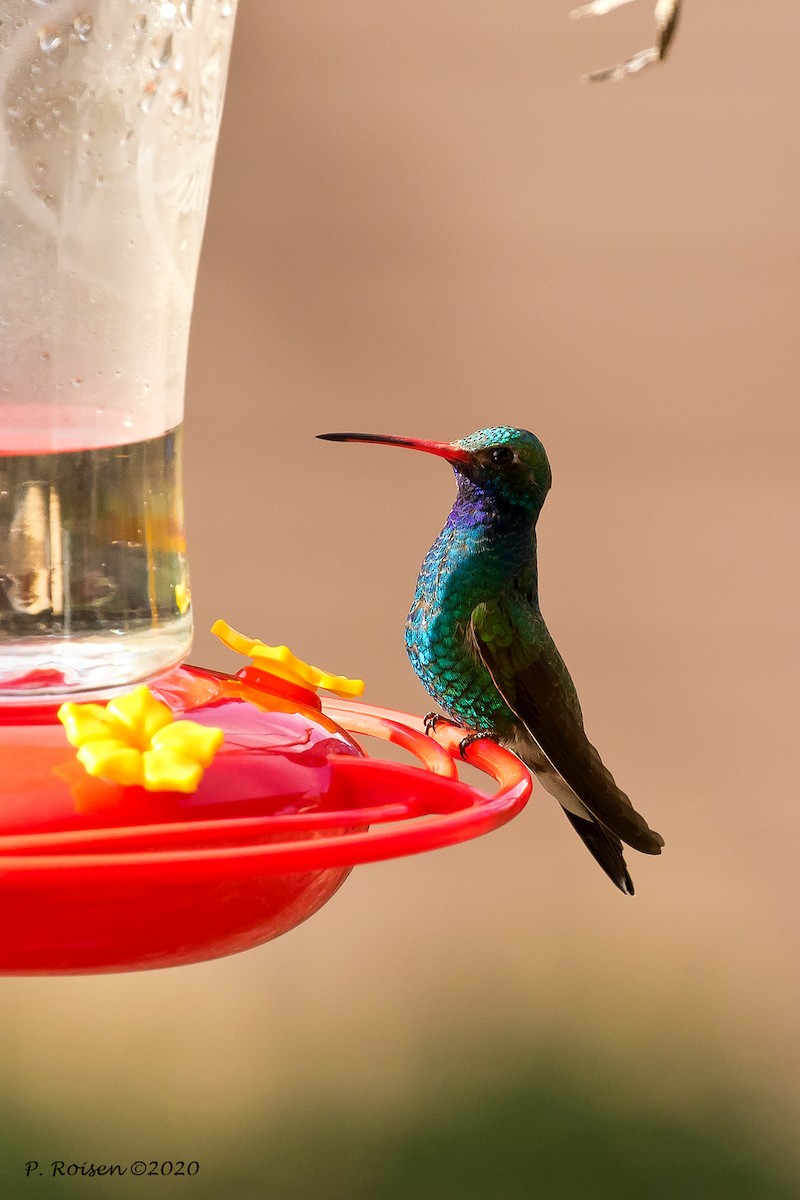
(109,116)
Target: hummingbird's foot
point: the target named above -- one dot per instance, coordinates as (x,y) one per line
(430,721)
(465,743)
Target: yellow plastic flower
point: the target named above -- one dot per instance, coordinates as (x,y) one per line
(134,740)
(279,661)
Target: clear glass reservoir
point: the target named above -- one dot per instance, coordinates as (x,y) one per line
(109,116)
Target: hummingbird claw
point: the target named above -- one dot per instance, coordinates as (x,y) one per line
(430,721)
(465,743)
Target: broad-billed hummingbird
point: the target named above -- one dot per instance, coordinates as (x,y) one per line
(478,642)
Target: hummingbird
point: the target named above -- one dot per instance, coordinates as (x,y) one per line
(478,642)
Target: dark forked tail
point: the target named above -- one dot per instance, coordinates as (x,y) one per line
(605,848)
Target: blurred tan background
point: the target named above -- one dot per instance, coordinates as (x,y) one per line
(423,223)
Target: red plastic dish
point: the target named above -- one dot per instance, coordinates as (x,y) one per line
(95,877)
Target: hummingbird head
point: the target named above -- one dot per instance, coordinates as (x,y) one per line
(502,465)
(506,464)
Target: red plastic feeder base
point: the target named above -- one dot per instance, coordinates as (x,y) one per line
(95,877)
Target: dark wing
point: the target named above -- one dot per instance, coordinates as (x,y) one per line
(513,642)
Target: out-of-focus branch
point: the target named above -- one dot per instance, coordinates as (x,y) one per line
(666,14)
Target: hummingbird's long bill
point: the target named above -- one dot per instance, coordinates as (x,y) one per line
(448,450)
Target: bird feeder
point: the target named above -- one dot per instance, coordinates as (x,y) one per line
(152,813)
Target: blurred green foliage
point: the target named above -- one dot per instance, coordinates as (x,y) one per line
(536,1135)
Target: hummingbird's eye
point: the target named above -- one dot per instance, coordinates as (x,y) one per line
(501,456)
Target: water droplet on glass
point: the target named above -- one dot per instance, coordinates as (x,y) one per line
(162,52)
(49,38)
(148,96)
(76,380)
(179,101)
(140,26)
(186,12)
(44,3)
(83,25)
(225,8)
(168,10)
